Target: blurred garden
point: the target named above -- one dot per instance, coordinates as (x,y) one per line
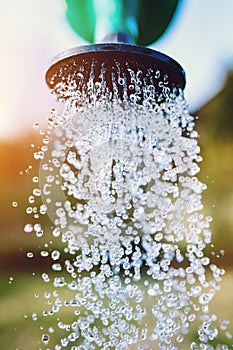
(21,286)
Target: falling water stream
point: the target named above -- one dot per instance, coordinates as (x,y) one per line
(118,179)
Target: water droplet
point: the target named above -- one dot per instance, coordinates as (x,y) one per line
(56,232)
(44,253)
(51,330)
(28,228)
(29,210)
(43,209)
(55,254)
(45,339)
(35,179)
(45,277)
(31,199)
(36,125)
(39,233)
(56,267)
(11,279)
(34,316)
(36,192)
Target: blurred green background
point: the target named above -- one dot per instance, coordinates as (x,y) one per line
(21,287)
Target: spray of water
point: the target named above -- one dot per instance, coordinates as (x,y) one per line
(119,182)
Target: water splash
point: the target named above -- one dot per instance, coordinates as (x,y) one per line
(118,180)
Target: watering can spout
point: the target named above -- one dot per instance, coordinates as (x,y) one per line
(116,21)
(118,37)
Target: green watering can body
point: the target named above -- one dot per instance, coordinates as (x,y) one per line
(144,21)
